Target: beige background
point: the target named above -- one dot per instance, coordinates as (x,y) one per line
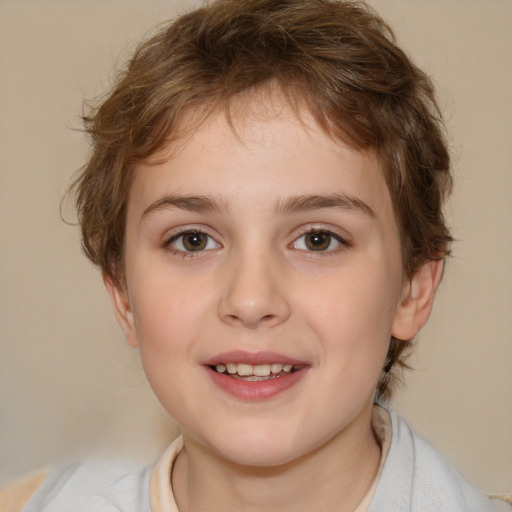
(68,382)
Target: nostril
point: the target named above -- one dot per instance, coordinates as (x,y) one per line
(252,303)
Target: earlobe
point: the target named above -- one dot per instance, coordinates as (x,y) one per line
(122,310)
(417,300)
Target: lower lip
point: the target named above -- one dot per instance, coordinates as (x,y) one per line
(255,390)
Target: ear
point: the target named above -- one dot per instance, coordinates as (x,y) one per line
(123,311)
(417,300)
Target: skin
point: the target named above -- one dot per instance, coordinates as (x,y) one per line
(258,286)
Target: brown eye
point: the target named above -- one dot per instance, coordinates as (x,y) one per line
(193,241)
(317,241)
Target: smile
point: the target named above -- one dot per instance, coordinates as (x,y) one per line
(257,372)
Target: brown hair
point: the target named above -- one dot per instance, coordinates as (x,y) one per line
(337,57)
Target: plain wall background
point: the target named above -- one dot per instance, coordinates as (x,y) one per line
(67,380)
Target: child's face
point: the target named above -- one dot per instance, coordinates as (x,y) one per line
(275,245)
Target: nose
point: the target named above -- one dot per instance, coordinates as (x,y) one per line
(253,293)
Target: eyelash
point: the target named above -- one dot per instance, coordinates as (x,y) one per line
(343,244)
(330,237)
(184,253)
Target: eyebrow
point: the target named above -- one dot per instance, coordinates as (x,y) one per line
(316,202)
(200,204)
(295,204)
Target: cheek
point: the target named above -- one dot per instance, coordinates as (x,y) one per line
(361,299)
(167,324)
(354,320)
(166,316)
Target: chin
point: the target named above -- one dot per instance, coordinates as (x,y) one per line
(257,456)
(257,447)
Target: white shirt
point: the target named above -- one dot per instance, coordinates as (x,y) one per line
(412,477)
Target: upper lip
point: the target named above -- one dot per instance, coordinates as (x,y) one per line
(240,356)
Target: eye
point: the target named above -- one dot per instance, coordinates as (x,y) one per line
(319,241)
(192,241)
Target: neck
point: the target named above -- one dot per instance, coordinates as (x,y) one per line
(335,476)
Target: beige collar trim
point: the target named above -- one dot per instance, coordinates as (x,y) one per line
(161,496)
(381,423)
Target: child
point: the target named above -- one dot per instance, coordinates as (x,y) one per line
(264,199)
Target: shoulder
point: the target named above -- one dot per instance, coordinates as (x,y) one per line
(416,477)
(14,496)
(81,487)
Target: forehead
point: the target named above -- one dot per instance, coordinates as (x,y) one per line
(259,148)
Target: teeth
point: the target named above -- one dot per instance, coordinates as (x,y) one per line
(231,367)
(261,370)
(276,368)
(257,370)
(244,370)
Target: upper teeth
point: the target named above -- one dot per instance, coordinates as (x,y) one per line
(259,370)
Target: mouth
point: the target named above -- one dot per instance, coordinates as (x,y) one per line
(255,376)
(256,372)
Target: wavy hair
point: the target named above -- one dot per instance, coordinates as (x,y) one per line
(339,58)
